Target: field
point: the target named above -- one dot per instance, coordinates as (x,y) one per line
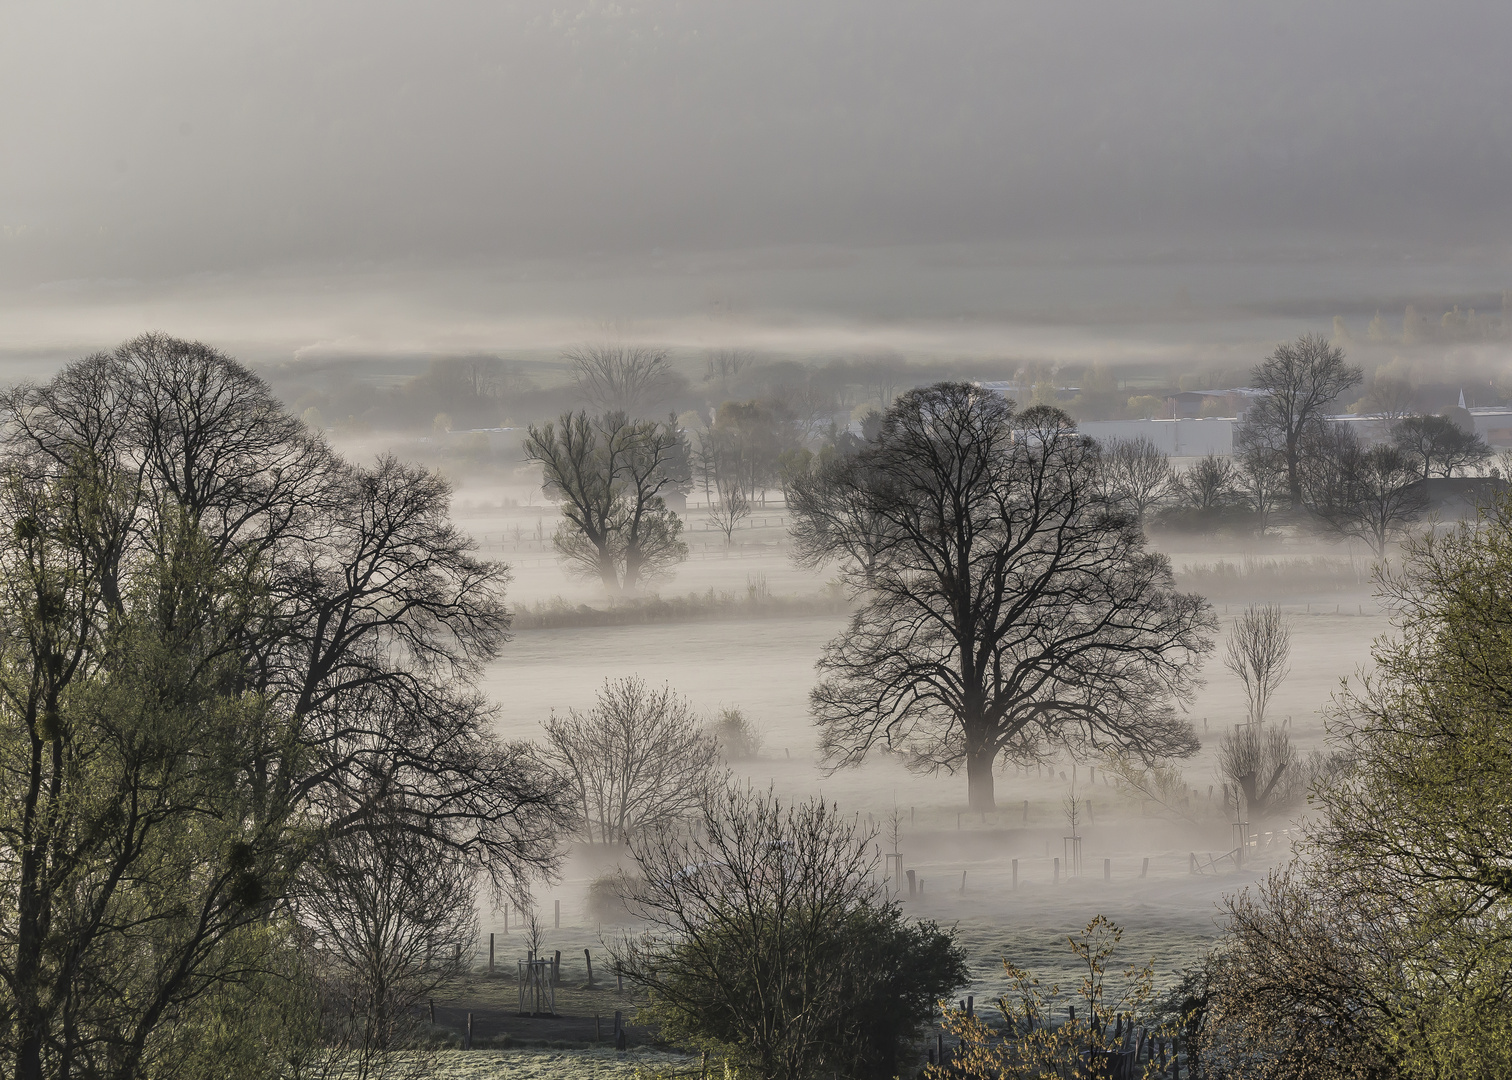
(766,667)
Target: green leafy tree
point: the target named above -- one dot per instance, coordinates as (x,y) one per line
(222,646)
(1386,951)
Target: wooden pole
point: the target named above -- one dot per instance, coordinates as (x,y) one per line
(911,883)
(467,1039)
(1107,869)
(1015,875)
(1145,869)
(1057,871)
(490,954)
(558,914)
(588,959)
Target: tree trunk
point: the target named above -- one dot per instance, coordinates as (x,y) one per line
(979,778)
(1293,474)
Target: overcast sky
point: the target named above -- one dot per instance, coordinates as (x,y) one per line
(156,143)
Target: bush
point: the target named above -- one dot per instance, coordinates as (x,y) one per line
(738,736)
(770,944)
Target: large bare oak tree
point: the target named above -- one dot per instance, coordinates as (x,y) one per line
(1008,608)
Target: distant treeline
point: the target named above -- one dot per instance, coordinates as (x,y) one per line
(559,613)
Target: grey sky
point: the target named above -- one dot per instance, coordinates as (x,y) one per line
(153,140)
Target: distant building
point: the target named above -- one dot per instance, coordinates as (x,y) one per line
(1178,438)
(1191,404)
(1494,424)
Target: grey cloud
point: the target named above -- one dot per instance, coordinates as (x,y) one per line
(160,138)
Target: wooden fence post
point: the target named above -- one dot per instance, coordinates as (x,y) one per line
(490,954)
(1015,875)
(910,883)
(588,959)
(1145,869)
(558,914)
(467,1039)
(1107,869)
(1057,871)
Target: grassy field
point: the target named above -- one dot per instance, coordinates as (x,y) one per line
(766,667)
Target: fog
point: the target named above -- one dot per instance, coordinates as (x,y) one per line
(1035,179)
(342,194)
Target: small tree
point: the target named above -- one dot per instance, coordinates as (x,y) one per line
(1260,480)
(391,916)
(1360,492)
(1437,442)
(609,473)
(1267,770)
(637,760)
(732,508)
(739,738)
(769,942)
(1209,483)
(1136,474)
(1259,646)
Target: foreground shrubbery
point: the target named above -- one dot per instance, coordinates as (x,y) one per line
(1387,949)
(770,945)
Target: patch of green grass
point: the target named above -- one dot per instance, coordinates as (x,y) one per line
(536,1063)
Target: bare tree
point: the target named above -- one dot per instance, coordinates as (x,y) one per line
(1360,492)
(1391,397)
(722,365)
(1007,607)
(638,760)
(392,916)
(732,508)
(1260,481)
(768,938)
(1300,378)
(1263,764)
(1137,474)
(614,377)
(1258,651)
(609,473)
(1438,442)
(1209,483)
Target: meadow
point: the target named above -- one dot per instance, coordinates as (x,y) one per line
(765,666)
